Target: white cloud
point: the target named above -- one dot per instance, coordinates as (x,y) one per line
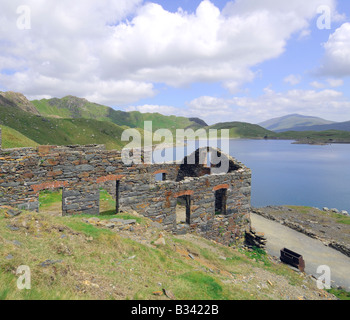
(109,92)
(165,110)
(334,83)
(304,34)
(88,48)
(293,79)
(317,85)
(336,61)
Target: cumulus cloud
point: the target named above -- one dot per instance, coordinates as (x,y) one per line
(336,61)
(115,51)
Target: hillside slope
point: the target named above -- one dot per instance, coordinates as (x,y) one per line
(14,139)
(73,107)
(244,130)
(60,131)
(19,100)
(81,257)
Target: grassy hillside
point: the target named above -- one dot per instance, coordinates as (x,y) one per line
(13,139)
(73,107)
(243,130)
(61,131)
(330,136)
(80,258)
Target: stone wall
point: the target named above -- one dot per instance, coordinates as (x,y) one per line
(81,170)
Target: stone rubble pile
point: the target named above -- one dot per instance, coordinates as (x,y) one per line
(255,239)
(114,223)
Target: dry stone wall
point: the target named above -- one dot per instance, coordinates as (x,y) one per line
(81,170)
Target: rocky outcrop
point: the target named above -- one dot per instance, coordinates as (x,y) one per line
(19,100)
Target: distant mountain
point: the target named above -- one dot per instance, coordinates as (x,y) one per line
(294,122)
(73,107)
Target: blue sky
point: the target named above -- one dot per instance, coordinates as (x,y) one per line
(217,60)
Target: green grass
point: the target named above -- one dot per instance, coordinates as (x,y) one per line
(258,255)
(339,218)
(45,109)
(203,286)
(302,209)
(340,294)
(107,203)
(343,220)
(97,263)
(11,138)
(48,198)
(87,229)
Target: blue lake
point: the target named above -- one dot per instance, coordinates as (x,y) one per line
(294,174)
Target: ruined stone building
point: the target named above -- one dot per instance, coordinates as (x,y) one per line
(216,206)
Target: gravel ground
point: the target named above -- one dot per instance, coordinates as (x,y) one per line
(331,229)
(313,244)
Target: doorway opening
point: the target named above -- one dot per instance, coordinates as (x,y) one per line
(221,201)
(183,210)
(50,201)
(110,198)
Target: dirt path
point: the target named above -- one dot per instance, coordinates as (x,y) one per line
(314,252)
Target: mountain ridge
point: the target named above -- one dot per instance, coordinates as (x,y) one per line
(74,107)
(293,122)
